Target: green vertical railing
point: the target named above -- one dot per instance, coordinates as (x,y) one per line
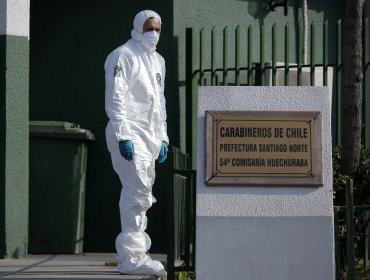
(213,57)
(339,84)
(201,54)
(192,82)
(325,54)
(273,55)
(299,56)
(237,56)
(224,57)
(366,82)
(350,231)
(250,62)
(286,56)
(312,55)
(366,242)
(262,54)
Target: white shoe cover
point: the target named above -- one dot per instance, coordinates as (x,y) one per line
(150,267)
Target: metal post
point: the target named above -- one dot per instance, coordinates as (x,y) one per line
(262,54)
(286,63)
(336,240)
(365,82)
(325,54)
(194,195)
(366,241)
(339,83)
(201,72)
(250,72)
(350,230)
(188,228)
(213,57)
(312,54)
(224,56)
(194,113)
(170,218)
(273,49)
(299,56)
(191,86)
(237,56)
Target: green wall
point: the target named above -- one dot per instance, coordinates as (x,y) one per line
(14,113)
(69,44)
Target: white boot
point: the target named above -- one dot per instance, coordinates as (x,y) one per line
(149,267)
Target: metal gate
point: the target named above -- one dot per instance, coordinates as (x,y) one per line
(180,214)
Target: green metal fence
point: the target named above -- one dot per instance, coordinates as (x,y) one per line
(225,57)
(351,233)
(180,214)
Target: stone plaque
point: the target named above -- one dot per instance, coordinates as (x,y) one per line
(263,148)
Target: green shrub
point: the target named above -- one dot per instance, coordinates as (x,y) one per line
(361,179)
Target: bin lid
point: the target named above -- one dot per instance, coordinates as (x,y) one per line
(54,129)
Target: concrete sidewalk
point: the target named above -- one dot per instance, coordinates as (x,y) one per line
(83,266)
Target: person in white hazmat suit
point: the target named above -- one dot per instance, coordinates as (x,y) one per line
(136,136)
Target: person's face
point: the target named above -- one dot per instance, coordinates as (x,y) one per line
(152,24)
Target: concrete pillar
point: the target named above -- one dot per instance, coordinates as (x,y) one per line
(14,136)
(265,232)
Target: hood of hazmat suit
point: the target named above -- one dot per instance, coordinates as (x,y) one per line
(138,34)
(135,106)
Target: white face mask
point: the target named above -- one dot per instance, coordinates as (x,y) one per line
(150,40)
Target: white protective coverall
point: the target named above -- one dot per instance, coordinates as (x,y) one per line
(135,105)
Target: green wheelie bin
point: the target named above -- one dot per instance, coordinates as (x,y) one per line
(58,157)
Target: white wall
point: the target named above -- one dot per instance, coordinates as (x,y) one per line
(265,232)
(15,17)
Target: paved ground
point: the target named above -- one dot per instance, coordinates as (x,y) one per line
(84,266)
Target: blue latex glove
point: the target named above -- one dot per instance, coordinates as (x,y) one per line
(163,152)
(126,147)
